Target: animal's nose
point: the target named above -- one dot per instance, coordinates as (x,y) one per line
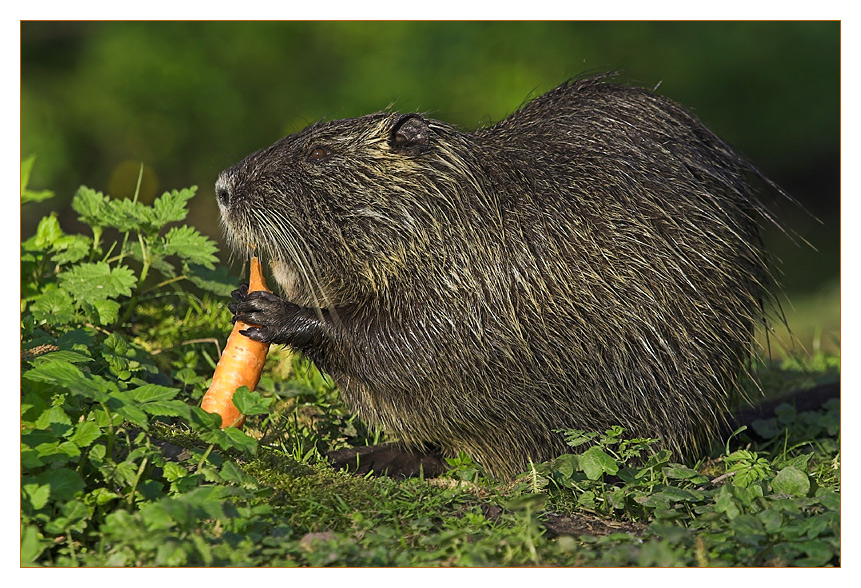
(223,191)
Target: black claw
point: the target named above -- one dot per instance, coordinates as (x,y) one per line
(256,334)
(241,292)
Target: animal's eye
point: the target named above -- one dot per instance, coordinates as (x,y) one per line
(319,153)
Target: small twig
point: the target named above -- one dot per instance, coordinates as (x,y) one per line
(206,340)
(34,352)
(191,341)
(724,476)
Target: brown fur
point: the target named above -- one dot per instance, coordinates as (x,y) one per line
(594,259)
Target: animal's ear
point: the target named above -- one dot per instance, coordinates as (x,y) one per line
(410,135)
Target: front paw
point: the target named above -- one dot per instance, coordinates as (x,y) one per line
(268,317)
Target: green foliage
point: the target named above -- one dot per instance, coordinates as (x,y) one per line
(70,279)
(121,467)
(28,195)
(761,510)
(90,395)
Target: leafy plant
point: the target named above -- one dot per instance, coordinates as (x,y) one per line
(90,396)
(768,508)
(120,466)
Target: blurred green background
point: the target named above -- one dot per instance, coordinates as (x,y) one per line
(188,99)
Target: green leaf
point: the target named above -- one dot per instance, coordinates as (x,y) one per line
(748,529)
(76,510)
(30,459)
(231,472)
(230,438)
(72,518)
(240,440)
(187,243)
(64,483)
(47,233)
(32,544)
(818,525)
(726,502)
(102,496)
(203,421)
(771,519)
(26,169)
(799,461)
(36,494)
(89,282)
(108,311)
(176,408)
(53,307)
(70,377)
(678,472)
(565,465)
(128,215)
(129,410)
(158,400)
(47,452)
(55,414)
(818,553)
(126,472)
(577,437)
(71,248)
(587,500)
(115,351)
(156,516)
(171,206)
(150,489)
(85,433)
(90,205)
(749,468)
(28,195)
(97,454)
(174,471)
(829,499)
(150,392)
(68,448)
(185,511)
(62,355)
(786,413)
(595,462)
(790,480)
(77,339)
(35,437)
(656,553)
(251,402)
(675,494)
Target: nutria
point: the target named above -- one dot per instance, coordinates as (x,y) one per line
(592,260)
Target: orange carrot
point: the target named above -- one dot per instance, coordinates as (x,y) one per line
(240,365)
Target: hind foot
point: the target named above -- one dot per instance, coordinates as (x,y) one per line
(388,459)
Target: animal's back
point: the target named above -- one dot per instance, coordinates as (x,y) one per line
(632,272)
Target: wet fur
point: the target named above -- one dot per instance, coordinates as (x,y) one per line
(592,260)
